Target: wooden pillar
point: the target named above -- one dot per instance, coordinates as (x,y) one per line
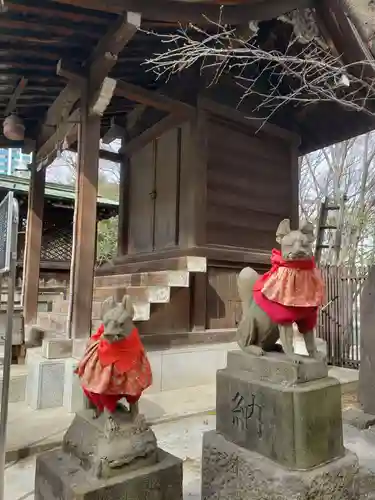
(82,271)
(124,201)
(33,244)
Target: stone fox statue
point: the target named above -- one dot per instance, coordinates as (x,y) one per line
(115,365)
(290,292)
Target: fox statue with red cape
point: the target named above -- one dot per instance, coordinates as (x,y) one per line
(291,292)
(115,365)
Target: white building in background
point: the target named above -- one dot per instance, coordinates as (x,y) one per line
(13,159)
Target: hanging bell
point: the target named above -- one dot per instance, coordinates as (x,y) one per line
(13,128)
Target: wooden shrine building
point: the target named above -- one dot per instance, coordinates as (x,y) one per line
(203,186)
(57,234)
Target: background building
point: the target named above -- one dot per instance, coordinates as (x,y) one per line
(13,159)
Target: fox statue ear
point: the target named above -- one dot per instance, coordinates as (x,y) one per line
(282,230)
(307,228)
(107,305)
(128,305)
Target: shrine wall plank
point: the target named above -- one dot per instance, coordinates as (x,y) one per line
(250,185)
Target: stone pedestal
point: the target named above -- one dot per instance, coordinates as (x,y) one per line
(365,417)
(109,459)
(233,473)
(51,381)
(278,433)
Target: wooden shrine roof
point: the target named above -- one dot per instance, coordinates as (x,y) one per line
(56,194)
(36,34)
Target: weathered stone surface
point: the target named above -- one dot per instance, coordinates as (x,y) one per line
(45,380)
(60,477)
(103,451)
(277,368)
(367,368)
(233,473)
(358,418)
(297,426)
(57,348)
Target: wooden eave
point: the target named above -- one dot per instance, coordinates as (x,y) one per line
(36,34)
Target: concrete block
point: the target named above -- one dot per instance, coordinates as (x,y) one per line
(233,473)
(297,426)
(45,380)
(57,348)
(74,399)
(59,475)
(184,368)
(79,348)
(358,418)
(17,383)
(155,359)
(17,333)
(277,368)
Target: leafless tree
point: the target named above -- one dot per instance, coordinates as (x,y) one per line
(347,168)
(302,72)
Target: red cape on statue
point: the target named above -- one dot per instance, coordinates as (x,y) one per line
(112,371)
(290,292)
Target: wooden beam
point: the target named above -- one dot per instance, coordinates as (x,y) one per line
(124,205)
(82,272)
(102,97)
(345,37)
(173,11)
(70,72)
(102,59)
(15,96)
(152,98)
(33,243)
(160,127)
(57,138)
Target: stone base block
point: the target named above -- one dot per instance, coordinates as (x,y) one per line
(277,368)
(358,418)
(45,380)
(59,475)
(298,426)
(105,450)
(17,383)
(57,348)
(233,473)
(74,399)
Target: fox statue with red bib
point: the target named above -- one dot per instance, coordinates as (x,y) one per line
(291,292)
(115,364)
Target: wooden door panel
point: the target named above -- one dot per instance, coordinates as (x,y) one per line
(141,224)
(167,164)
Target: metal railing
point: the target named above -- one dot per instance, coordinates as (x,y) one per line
(9,217)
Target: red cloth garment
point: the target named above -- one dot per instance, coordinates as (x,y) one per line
(290,292)
(112,371)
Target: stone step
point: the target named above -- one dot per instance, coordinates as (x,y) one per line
(157,278)
(151,294)
(192,264)
(56,321)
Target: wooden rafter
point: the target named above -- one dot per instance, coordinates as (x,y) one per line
(98,65)
(152,99)
(15,96)
(114,132)
(345,36)
(42,28)
(174,11)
